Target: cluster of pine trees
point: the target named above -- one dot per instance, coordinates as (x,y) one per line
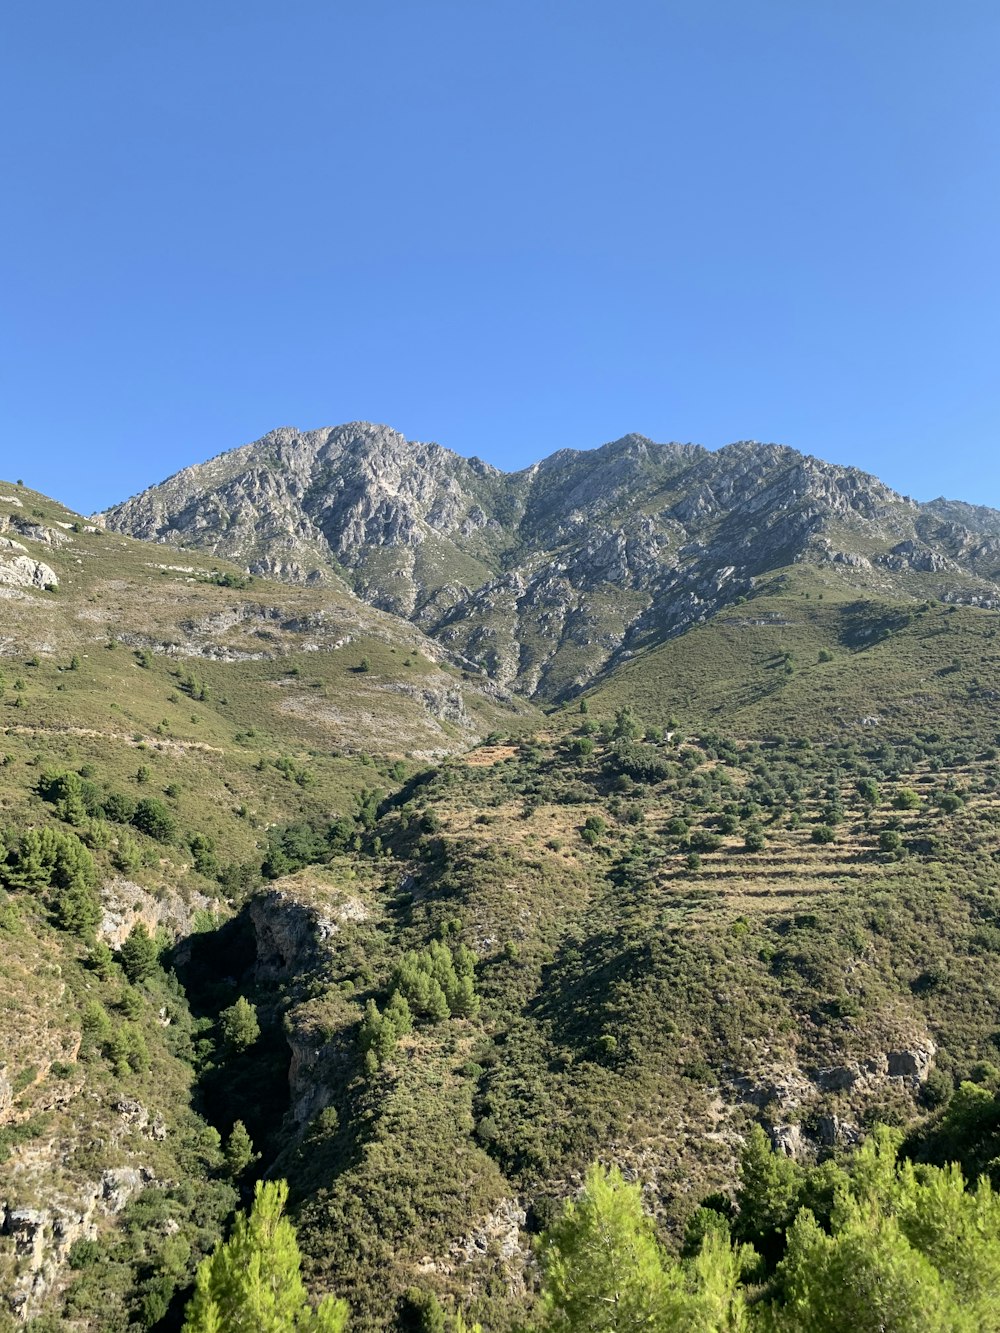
(433,983)
(877,1245)
(60,869)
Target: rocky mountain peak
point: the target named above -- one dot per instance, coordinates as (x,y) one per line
(548,575)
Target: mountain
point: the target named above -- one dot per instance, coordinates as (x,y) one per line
(286,852)
(550,577)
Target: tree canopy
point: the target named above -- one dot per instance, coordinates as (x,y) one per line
(253,1281)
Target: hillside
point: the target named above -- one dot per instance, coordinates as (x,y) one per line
(552,576)
(285,851)
(164,718)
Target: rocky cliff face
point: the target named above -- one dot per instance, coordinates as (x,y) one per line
(548,576)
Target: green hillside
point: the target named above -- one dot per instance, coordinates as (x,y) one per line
(273,865)
(806,655)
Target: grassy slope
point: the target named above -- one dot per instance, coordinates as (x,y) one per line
(121,672)
(900,663)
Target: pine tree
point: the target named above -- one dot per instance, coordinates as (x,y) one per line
(713,1301)
(29,868)
(136,1050)
(424,1313)
(70,804)
(254,1282)
(380,1032)
(866,1278)
(603,1268)
(458,1325)
(464,1001)
(770,1186)
(397,1011)
(102,960)
(909,1250)
(116,1050)
(77,908)
(239,1025)
(95,1024)
(49,859)
(139,954)
(239,1151)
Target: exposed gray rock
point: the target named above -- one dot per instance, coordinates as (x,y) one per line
(550,576)
(914,1063)
(43,1237)
(118,1186)
(834,1132)
(840,1078)
(498,1233)
(787,1140)
(126,904)
(289,933)
(22,572)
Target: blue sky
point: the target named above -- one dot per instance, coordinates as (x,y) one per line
(508,227)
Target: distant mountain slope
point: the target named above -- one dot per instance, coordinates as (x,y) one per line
(292,654)
(550,576)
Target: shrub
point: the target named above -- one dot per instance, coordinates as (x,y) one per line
(119,808)
(154,819)
(754,839)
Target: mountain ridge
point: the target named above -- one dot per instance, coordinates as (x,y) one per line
(545,576)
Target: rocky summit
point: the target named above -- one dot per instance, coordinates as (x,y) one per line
(550,577)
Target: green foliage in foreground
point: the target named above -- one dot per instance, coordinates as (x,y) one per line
(605,1270)
(254,1280)
(890,1248)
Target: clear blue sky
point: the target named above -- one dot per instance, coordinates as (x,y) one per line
(509,227)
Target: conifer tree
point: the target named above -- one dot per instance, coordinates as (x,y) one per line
(254,1281)
(70,804)
(77,908)
(102,960)
(866,1278)
(603,1268)
(605,1271)
(239,1150)
(769,1191)
(29,868)
(397,1011)
(239,1025)
(139,953)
